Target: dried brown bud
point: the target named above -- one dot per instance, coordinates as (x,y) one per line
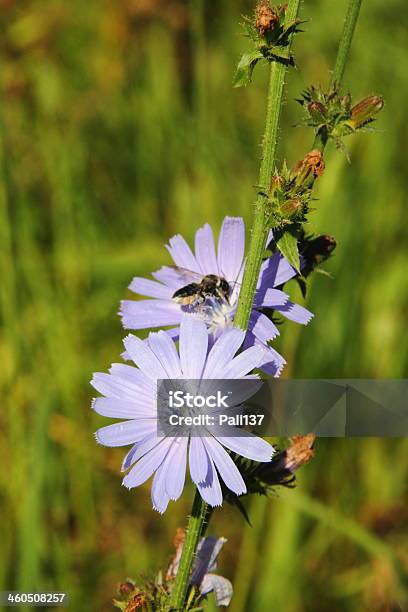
(126,588)
(138,602)
(300,452)
(364,111)
(285,463)
(266,18)
(179,537)
(311,166)
(277,182)
(317,110)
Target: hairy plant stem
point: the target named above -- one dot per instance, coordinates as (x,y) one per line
(200,513)
(269,146)
(350,22)
(195,529)
(349,27)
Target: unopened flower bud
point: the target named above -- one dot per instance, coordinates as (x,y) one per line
(266,18)
(300,452)
(126,588)
(291,207)
(317,110)
(311,166)
(364,111)
(285,463)
(345,102)
(277,182)
(315,251)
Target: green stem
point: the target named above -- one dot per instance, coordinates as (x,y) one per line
(349,27)
(194,531)
(269,146)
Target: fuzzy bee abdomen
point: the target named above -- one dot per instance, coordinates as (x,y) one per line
(186,295)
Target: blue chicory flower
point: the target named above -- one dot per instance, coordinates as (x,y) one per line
(202,577)
(131,393)
(218,311)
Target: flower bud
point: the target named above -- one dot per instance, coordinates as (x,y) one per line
(266,18)
(310,167)
(277,182)
(126,588)
(364,111)
(315,251)
(345,102)
(285,463)
(317,111)
(291,207)
(300,452)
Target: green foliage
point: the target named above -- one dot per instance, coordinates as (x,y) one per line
(287,244)
(118,129)
(245,68)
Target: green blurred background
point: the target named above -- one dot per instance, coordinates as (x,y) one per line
(119,127)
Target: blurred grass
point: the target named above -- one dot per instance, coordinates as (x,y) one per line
(119,127)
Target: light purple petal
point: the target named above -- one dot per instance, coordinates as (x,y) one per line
(176,468)
(222,352)
(148,464)
(150,288)
(173,333)
(270,298)
(114,386)
(123,409)
(160,497)
(127,432)
(225,466)
(165,350)
(272,356)
(238,393)
(262,327)
(296,313)
(273,362)
(193,346)
(197,460)
(244,362)
(222,588)
(141,448)
(231,247)
(149,313)
(275,271)
(143,356)
(182,254)
(132,375)
(273,368)
(205,250)
(210,488)
(205,561)
(249,446)
(174,277)
(128,459)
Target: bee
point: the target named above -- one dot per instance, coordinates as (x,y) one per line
(208,286)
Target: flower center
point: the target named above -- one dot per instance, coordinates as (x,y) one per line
(215,312)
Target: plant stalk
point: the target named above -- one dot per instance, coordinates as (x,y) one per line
(269,146)
(350,22)
(194,531)
(349,27)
